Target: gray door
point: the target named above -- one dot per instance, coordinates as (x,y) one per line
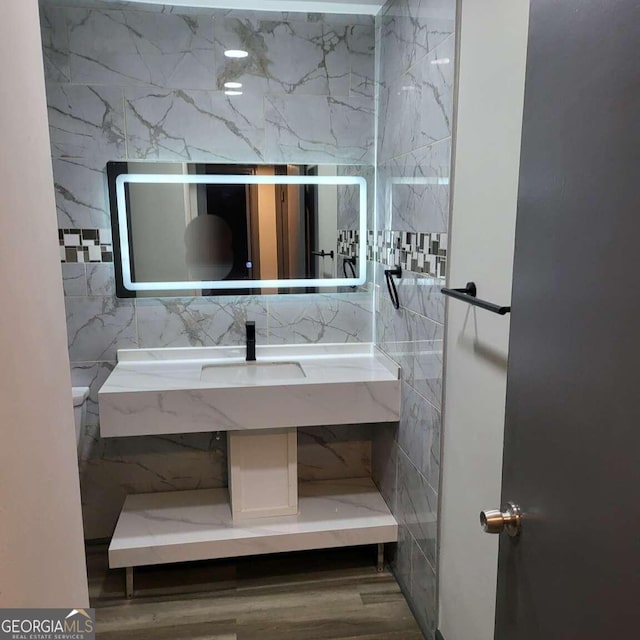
(572,441)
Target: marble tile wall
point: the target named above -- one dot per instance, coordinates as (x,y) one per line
(135,81)
(415,105)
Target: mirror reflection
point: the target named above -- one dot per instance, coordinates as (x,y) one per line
(203,229)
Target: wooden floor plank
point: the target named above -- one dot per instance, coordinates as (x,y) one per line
(324,595)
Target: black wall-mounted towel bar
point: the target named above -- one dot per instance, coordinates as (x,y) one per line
(469,293)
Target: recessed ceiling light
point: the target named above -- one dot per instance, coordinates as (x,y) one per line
(236,53)
(441,61)
(233,93)
(233,85)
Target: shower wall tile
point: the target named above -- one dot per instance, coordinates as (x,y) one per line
(420,436)
(426,374)
(301,128)
(137,47)
(422,295)
(401,562)
(422,96)
(417,507)
(423,590)
(416,48)
(414,190)
(200,126)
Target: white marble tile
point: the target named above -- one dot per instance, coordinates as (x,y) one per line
(426,373)
(55,43)
(101,279)
(199,322)
(423,590)
(410,29)
(137,465)
(135,47)
(335,452)
(419,434)
(284,57)
(97,327)
(384,462)
(422,294)
(320,318)
(414,190)
(423,97)
(417,506)
(361,42)
(74,280)
(184,526)
(348,196)
(194,125)
(401,562)
(81,194)
(319,129)
(86,123)
(394,332)
(92,375)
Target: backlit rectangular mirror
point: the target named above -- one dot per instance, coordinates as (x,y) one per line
(211,229)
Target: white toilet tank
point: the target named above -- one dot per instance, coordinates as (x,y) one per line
(80,395)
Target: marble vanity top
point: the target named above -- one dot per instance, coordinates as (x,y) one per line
(169,391)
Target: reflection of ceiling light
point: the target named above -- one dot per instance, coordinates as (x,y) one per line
(236,53)
(233,93)
(441,61)
(233,85)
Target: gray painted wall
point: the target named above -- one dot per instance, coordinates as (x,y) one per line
(144,83)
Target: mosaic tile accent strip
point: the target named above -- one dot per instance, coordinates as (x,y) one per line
(417,252)
(85,245)
(348,240)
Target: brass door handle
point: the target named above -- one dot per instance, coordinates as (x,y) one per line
(508,519)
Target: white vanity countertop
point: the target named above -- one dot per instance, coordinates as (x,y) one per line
(167,369)
(160,391)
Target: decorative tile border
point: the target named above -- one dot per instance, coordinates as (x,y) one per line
(417,252)
(85,245)
(348,240)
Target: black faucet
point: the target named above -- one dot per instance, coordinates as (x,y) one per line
(251,341)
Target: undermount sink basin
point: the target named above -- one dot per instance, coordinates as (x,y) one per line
(252,372)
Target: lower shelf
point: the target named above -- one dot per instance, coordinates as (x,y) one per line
(182,526)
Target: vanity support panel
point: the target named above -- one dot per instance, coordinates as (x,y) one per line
(263,473)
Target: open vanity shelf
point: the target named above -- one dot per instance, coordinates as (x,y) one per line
(182,526)
(260,405)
